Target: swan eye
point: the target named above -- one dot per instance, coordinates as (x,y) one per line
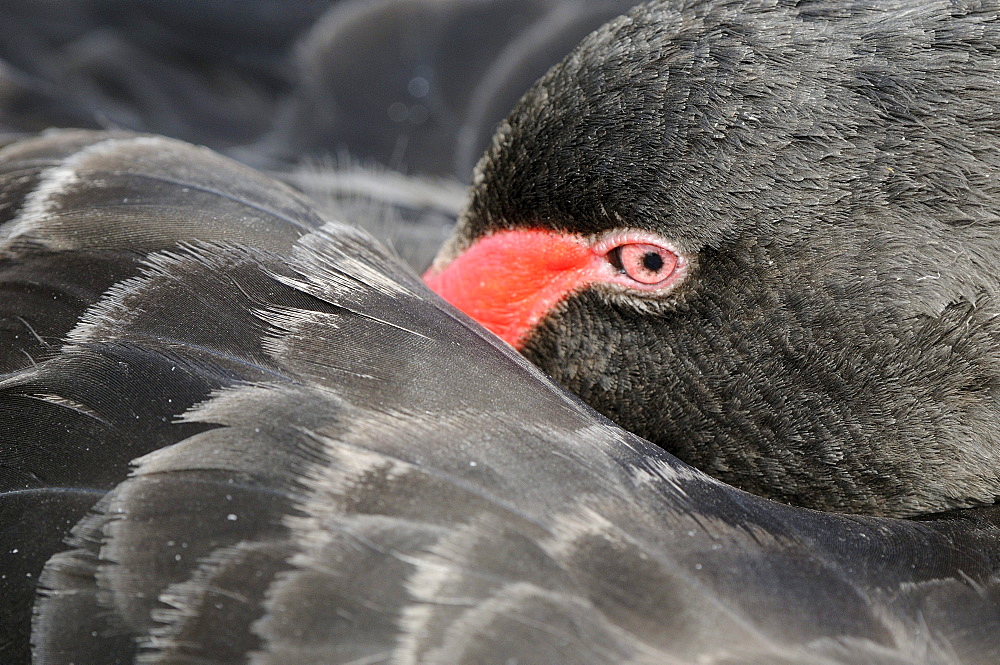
(643,263)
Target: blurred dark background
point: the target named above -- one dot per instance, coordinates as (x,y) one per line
(412,85)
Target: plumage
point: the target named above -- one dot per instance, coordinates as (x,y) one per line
(283,448)
(828,172)
(235,431)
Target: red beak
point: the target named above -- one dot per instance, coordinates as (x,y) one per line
(510,280)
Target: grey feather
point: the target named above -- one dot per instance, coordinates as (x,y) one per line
(350,471)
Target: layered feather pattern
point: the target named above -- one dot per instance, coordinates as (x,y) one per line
(236,432)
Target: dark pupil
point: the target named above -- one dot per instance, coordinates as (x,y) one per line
(652,261)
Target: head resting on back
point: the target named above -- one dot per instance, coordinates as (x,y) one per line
(823,176)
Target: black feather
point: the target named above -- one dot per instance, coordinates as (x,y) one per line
(828,170)
(330,464)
